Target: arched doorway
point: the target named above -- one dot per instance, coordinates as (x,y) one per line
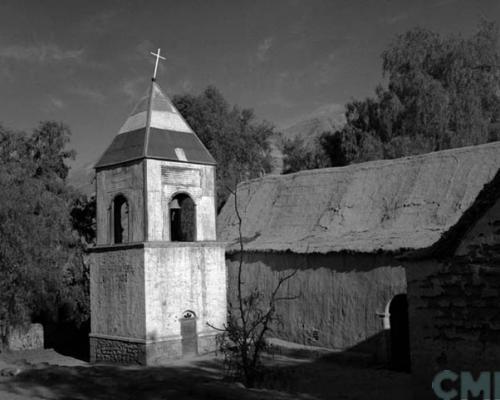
(188,334)
(399,334)
(182,219)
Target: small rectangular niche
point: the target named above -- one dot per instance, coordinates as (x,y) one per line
(179,176)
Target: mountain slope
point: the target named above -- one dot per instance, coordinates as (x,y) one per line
(327,118)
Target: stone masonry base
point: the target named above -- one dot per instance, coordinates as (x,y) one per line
(133,351)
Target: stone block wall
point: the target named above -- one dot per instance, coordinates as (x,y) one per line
(117,351)
(157,352)
(454,307)
(145,352)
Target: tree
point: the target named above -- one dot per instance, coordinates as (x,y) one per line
(298,156)
(442,92)
(41,259)
(445,94)
(47,150)
(243,339)
(239,143)
(83,217)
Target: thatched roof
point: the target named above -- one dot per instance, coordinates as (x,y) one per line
(389,205)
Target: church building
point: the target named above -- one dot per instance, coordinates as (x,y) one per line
(157,275)
(396,259)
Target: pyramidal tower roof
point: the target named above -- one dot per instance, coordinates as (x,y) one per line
(155,129)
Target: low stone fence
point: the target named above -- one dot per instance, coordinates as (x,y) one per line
(25,338)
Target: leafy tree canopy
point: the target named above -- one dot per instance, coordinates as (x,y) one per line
(41,257)
(239,143)
(298,156)
(442,92)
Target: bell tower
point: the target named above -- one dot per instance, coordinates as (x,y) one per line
(157,275)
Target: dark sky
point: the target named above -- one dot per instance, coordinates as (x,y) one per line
(86,62)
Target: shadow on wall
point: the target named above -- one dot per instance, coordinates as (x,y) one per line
(382,349)
(391,346)
(339,262)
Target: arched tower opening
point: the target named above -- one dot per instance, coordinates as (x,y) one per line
(121,222)
(182,218)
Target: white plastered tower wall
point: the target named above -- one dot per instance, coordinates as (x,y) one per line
(168,178)
(183,276)
(142,288)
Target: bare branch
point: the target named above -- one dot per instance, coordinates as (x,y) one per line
(249,322)
(223,329)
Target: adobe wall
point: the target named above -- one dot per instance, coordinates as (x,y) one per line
(117,292)
(126,180)
(140,291)
(455,309)
(180,277)
(341,298)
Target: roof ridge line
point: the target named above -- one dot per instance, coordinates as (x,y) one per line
(148,119)
(377,164)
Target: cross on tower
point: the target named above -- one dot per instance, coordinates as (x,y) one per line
(157,55)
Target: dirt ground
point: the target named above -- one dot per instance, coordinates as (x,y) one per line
(48,375)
